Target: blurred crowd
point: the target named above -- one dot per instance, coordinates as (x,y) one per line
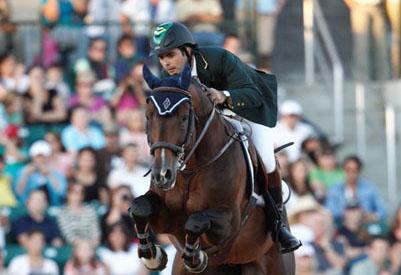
(339,215)
(74,152)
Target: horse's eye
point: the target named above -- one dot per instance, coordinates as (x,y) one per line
(185,118)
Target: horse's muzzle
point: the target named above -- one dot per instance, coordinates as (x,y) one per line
(164,178)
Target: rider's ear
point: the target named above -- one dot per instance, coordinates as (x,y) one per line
(152,81)
(185,78)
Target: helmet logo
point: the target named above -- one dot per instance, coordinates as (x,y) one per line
(160,32)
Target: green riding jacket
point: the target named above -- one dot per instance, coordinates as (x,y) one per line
(253,92)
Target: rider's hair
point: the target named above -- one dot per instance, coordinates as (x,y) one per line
(184,51)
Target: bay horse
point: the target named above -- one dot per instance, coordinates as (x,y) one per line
(199,193)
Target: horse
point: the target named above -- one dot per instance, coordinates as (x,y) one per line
(199,194)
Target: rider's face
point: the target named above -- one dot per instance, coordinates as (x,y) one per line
(173,62)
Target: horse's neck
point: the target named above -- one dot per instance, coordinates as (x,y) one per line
(215,136)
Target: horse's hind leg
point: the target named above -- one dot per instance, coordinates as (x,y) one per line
(152,255)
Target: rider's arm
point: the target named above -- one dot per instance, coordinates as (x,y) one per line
(244,94)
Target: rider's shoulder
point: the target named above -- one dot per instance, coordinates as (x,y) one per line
(212,50)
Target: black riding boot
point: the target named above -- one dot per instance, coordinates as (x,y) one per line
(282,233)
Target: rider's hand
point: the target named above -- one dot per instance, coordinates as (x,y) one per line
(217,96)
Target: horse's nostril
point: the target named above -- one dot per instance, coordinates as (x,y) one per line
(169,175)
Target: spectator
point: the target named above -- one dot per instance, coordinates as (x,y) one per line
(130,94)
(109,157)
(120,256)
(326,174)
(12,75)
(3,270)
(266,15)
(43,107)
(130,173)
(102,20)
(55,81)
(7,197)
(4,120)
(232,43)
(33,262)
(121,199)
(352,234)
(78,222)
(362,13)
(13,105)
(394,235)
(310,148)
(84,261)
(126,57)
(301,218)
(134,132)
(376,262)
(356,189)
(36,219)
(96,60)
(305,260)
(7,27)
(298,179)
(59,159)
(393,8)
(14,152)
(79,133)
(138,15)
(85,174)
(99,113)
(395,258)
(202,17)
(4,228)
(290,128)
(330,254)
(65,17)
(38,175)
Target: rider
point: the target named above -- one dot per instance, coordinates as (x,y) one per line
(247,92)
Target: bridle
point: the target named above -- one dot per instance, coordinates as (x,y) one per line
(179,150)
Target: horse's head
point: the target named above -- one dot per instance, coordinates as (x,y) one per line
(170,124)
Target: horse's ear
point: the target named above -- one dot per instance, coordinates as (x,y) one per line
(185,77)
(152,81)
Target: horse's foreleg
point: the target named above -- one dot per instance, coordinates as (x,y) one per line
(152,255)
(195,259)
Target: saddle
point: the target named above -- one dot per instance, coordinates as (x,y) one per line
(258,181)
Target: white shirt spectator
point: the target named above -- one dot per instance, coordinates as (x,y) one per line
(139,13)
(121,262)
(283,134)
(133,178)
(20,265)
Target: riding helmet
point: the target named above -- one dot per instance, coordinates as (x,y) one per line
(170,35)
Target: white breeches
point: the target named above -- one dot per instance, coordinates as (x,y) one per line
(261,136)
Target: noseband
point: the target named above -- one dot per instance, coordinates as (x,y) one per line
(179,150)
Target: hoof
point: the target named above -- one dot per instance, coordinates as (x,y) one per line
(199,268)
(157,263)
(141,207)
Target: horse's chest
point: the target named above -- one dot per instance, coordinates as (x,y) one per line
(184,202)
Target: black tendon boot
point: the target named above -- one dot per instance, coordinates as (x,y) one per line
(274,198)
